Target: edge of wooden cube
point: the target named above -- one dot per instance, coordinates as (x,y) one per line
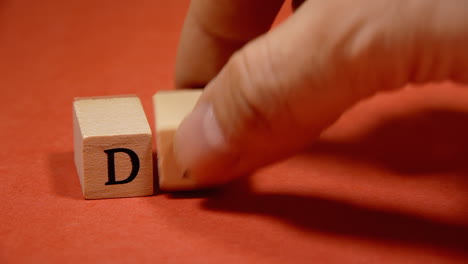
(170,108)
(81,140)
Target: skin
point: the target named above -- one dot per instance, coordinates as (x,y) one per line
(287,85)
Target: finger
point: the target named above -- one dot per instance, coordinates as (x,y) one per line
(280,91)
(213,30)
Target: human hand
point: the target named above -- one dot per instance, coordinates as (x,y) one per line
(280,89)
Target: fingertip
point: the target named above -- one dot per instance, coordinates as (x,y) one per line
(201,149)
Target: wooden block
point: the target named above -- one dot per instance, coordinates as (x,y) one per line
(113,147)
(171,107)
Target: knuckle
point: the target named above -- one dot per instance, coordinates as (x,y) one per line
(259,92)
(249,95)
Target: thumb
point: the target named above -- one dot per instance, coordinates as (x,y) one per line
(279,92)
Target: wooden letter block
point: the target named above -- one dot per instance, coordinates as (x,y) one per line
(171,107)
(113,147)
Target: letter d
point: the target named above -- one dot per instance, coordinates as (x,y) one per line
(111,165)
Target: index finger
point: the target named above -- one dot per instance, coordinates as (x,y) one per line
(214,30)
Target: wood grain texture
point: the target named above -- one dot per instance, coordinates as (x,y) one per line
(112,129)
(171,107)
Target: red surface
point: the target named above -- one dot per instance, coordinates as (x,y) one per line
(387,184)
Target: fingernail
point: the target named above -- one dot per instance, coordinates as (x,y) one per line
(200,145)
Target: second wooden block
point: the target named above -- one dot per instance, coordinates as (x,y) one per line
(171,107)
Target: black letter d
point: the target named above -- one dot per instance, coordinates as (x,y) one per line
(111,165)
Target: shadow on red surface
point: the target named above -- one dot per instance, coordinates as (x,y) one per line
(425,142)
(65,181)
(317,214)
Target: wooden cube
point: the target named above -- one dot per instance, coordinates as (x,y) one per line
(171,107)
(113,147)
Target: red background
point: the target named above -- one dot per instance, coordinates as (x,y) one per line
(387,184)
